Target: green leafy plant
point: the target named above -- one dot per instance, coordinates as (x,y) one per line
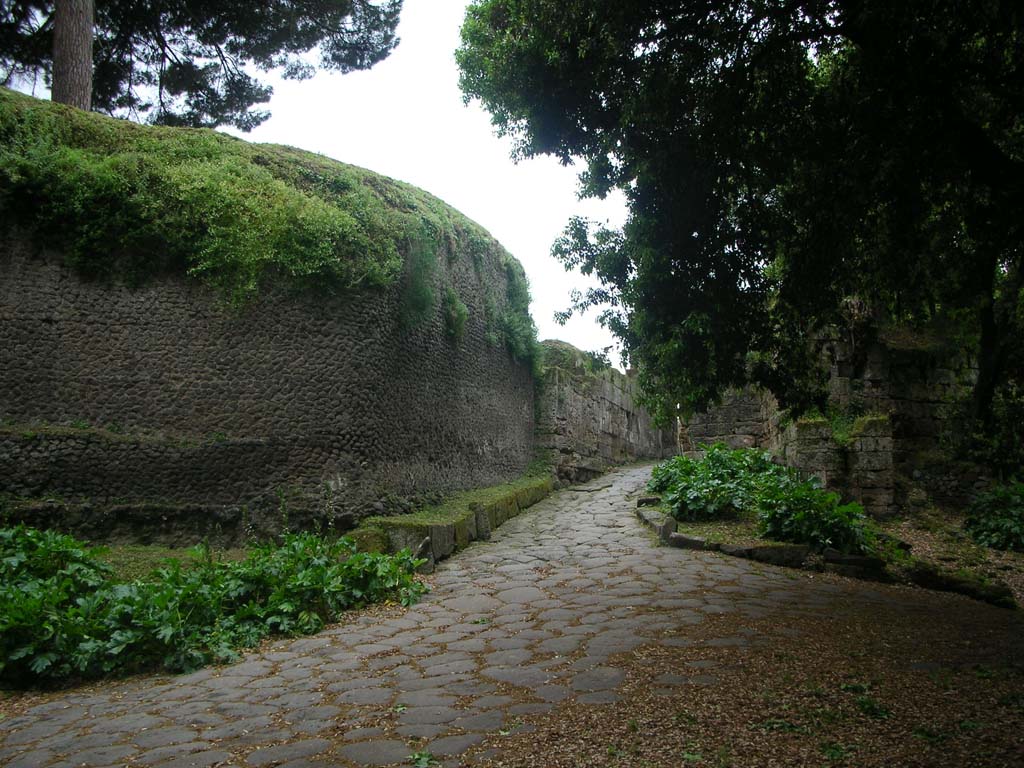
(781,726)
(930,735)
(803,513)
(743,483)
(422,759)
(63,616)
(872,708)
(996,518)
(455,314)
(854,688)
(724,483)
(834,751)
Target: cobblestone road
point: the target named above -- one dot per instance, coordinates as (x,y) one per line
(513,627)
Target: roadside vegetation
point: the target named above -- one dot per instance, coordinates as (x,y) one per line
(742,498)
(746,486)
(66,615)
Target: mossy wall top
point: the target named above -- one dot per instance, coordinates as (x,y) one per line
(215,321)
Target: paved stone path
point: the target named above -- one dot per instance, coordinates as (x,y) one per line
(513,627)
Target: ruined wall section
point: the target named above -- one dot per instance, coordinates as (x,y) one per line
(908,388)
(159,395)
(741,420)
(589,418)
(860,468)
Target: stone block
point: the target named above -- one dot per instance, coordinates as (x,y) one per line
(876,460)
(684,541)
(735,550)
(483,523)
(867,562)
(858,572)
(791,555)
(406,537)
(442,540)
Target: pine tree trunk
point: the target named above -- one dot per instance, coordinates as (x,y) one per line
(72,52)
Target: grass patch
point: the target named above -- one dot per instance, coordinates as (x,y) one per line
(743,532)
(138,562)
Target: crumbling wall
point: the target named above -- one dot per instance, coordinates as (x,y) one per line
(906,387)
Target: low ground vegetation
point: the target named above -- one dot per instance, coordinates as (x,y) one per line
(741,498)
(744,484)
(996,518)
(65,615)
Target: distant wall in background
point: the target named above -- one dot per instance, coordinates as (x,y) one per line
(589,419)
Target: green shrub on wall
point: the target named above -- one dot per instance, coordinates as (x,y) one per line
(455,314)
(128,201)
(516,325)
(418,293)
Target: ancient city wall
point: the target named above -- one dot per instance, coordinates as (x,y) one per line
(589,419)
(159,397)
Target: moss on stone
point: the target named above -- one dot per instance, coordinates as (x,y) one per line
(370,538)
(575,362)
(868,423)
(842,425)
(499,502)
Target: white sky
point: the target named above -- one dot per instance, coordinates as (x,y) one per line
(405,119)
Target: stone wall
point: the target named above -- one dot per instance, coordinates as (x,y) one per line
(908,385)
(589,419)
(117,396)
(917,379)
(860,468)
(741,420)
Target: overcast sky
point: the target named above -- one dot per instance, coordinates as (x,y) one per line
(405,118)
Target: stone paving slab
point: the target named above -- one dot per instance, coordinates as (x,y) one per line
(514,627)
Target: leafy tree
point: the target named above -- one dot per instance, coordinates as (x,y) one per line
(184,62)
(783,162)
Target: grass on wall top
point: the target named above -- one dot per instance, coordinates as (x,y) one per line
(125,202)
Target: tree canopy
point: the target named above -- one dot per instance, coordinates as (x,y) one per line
(788,166)
(186,62)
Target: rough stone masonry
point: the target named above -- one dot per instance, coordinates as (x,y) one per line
(154,413)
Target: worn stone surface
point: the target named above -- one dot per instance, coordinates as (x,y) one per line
(683,541)
(548,605)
